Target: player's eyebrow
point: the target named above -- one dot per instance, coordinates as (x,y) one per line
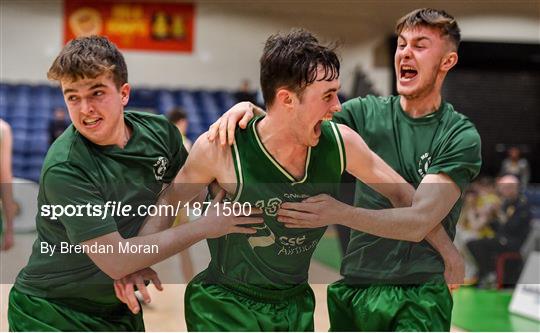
(416,39)
(95,86)
(332,90)
(69,90)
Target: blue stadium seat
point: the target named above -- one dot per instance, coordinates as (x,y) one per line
(19,173)
(35,161)
(28,109)
(57,98)
(41,97)
(3,95)
(197,95)
(17,160)
(18,111)
(209,106)
(165,101)
(18,125)
(39,143)
(38,124)
(10,91)
(196,125)
(22,96)
(142,98)
(20,142)
(3,100)
(32,174)
(225,100)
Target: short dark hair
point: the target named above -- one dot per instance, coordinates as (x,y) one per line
(432,18)
(89,57)
(176,114)
(292,61)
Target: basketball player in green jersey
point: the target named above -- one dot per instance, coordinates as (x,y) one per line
(259,282)
(393,279)
(106,157)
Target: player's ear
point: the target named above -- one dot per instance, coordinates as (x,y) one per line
(124,92)
(284,97)
(449,60)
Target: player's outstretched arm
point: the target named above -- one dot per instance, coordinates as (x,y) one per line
(192,179)
(195,174)
(371,169)
(168,242)
(432,201)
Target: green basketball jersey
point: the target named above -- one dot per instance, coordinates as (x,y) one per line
(276,257)
(442,142)
(77,172)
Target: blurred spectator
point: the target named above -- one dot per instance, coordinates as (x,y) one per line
(473,224)
(7,209)
(178,117)
(245,94)
(515,165)
(511,226)
(467,230)
(487,201)
(58,124)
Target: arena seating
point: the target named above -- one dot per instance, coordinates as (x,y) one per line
(533,195)
(29,110)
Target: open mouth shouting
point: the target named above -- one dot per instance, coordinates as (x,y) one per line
(92,122)
(407,73)
(317,128)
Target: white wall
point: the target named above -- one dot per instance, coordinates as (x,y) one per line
(500,29)
(228,45)
(30,38)
(227,48)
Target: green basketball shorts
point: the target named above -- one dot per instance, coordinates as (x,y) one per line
(424,307)
(36,314)
(220,307)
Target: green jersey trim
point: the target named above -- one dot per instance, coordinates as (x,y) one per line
(238,171)
(276,163)
(340,144)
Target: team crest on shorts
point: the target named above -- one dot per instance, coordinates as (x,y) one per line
(160,167)
(423,164)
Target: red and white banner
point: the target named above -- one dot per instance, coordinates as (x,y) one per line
(132,25)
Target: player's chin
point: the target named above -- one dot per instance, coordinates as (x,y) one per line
(94,135)
(407,92)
